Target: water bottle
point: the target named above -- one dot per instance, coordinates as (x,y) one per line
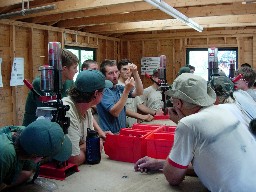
(93,155)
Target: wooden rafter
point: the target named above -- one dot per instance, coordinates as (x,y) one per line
(77,5)
(202,11)
(209,22)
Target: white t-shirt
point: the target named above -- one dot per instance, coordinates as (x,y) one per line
(152,98)
(245,103)
(77,130)
(220,148)
(237,112)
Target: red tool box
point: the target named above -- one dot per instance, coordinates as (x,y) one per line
(134,143)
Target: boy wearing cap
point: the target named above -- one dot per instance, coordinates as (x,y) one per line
(21,147)
(152,96)
(183,70)
(69,69)
(111,109)
(220,148)
(247,81)
(86,93)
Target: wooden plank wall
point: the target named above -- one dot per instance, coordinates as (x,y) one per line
(30,41)
(174,45)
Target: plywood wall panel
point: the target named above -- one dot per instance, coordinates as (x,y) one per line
(4,35)
(197,41)
(124,49)
(174,46)
(150,48)
(216,40)
(22,37)
(231,40)
(32,45)
(110,50)
(101,51)
(53,36)
(39,38)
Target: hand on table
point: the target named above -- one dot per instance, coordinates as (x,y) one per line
(147,164)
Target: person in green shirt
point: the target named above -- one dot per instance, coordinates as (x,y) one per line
(22,147)
(69,69)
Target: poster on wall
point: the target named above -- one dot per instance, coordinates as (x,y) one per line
(1,79)
(17,74)
(148,64)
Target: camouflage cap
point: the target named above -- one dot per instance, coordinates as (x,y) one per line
(222,85)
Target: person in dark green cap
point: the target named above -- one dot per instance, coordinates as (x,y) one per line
(238,102)
(223,88)
(69,69)
(152,95)
(87,92)
(21,147)
(183,70)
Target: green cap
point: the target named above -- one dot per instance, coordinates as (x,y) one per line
(44,138)
(184,70)
(90,81)
(222,85)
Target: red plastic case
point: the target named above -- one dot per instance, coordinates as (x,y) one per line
(134,143)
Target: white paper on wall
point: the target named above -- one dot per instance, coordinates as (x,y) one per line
(148,64)
(17,75)
(1,79)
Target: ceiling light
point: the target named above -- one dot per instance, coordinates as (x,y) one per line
(175,13)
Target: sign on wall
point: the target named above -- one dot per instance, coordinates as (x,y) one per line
(148,64)
(17,74)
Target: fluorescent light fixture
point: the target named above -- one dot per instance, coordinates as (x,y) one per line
(163,6)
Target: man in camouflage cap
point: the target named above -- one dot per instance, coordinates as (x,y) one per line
(223,88)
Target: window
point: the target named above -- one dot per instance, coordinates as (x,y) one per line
(198,57)
(82,54)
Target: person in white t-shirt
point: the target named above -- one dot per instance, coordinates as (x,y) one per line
(239,102)
(86,93)
(152,95)
(219,147)
(247,81)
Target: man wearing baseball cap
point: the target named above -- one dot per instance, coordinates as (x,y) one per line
(220,148)
(21,147)
(86,93)
(152,96)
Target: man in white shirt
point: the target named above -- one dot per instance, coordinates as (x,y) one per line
(220,148)
(152,96)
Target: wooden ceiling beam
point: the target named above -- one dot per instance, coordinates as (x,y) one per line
(207,22)
(113,9)
(77,5)
(202,11)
